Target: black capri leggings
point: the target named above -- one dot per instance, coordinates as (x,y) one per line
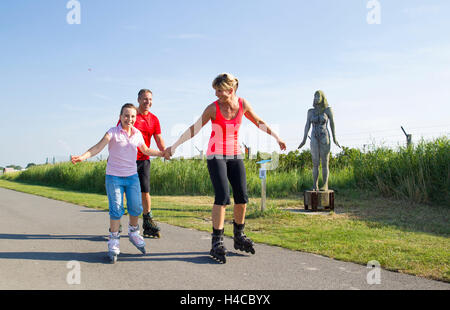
(222,170)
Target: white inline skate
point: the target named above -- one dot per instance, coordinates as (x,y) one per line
(135,238)
(113,246)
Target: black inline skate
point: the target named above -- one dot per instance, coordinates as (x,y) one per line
(151,230)
(218,250)
(241,241)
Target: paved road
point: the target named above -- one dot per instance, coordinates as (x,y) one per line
(39,237)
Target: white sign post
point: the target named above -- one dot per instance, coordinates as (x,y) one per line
(262,176)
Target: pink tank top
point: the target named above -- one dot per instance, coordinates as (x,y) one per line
(225,133)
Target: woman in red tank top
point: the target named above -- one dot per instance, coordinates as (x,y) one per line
(224,140)
(224,159)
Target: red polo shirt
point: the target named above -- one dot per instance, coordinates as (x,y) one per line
(149,126)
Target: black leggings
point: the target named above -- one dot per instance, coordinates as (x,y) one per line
(222,170)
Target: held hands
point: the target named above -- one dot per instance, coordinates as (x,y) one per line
(168,152)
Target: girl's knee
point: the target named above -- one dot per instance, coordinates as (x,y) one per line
(116,213)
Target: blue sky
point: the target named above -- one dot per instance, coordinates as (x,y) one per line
(62,85)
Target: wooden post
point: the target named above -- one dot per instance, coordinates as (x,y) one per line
(314,200)
(332,200)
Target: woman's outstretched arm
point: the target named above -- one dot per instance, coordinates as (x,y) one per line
(194,129)
(255,119)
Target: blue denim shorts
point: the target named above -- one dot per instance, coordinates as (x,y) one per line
(116,187)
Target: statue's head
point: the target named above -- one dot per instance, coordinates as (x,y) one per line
(320,100)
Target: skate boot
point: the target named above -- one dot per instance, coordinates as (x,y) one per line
(241,241)
(113,247)
(218,250)
(135,238)
(151,230)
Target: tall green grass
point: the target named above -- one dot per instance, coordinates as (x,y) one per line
(87,176)
(176,177)
(420,173)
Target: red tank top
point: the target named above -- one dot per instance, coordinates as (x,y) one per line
(225,133)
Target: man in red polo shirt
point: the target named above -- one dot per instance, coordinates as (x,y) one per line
(149,126)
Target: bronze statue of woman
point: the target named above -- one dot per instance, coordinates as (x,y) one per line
(320,137)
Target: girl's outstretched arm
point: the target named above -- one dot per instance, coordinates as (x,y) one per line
(151,152)
(93,150)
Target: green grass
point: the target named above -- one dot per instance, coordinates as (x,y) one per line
(405,237)
(418,174)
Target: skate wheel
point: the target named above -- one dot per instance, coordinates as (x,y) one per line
(219,259)
(157,235)
(242,248)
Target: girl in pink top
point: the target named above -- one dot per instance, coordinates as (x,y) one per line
(224,159)
(121,176)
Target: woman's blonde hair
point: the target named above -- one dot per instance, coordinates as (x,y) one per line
(225,81)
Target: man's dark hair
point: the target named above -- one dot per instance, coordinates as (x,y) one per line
(143,91)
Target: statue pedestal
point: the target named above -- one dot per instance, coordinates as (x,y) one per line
(319,199)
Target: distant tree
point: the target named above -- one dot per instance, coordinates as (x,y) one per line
(31,165)
(14,167)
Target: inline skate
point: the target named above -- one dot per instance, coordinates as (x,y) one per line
(218,251)
(135,238)
(151,230)
(241,241)
(113,247)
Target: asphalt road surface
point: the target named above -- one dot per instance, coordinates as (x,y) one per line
(47,244)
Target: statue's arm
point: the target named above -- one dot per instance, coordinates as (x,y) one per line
(329,112)
(307,127)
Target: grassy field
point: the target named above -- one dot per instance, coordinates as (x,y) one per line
(419,174)
(406,237)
